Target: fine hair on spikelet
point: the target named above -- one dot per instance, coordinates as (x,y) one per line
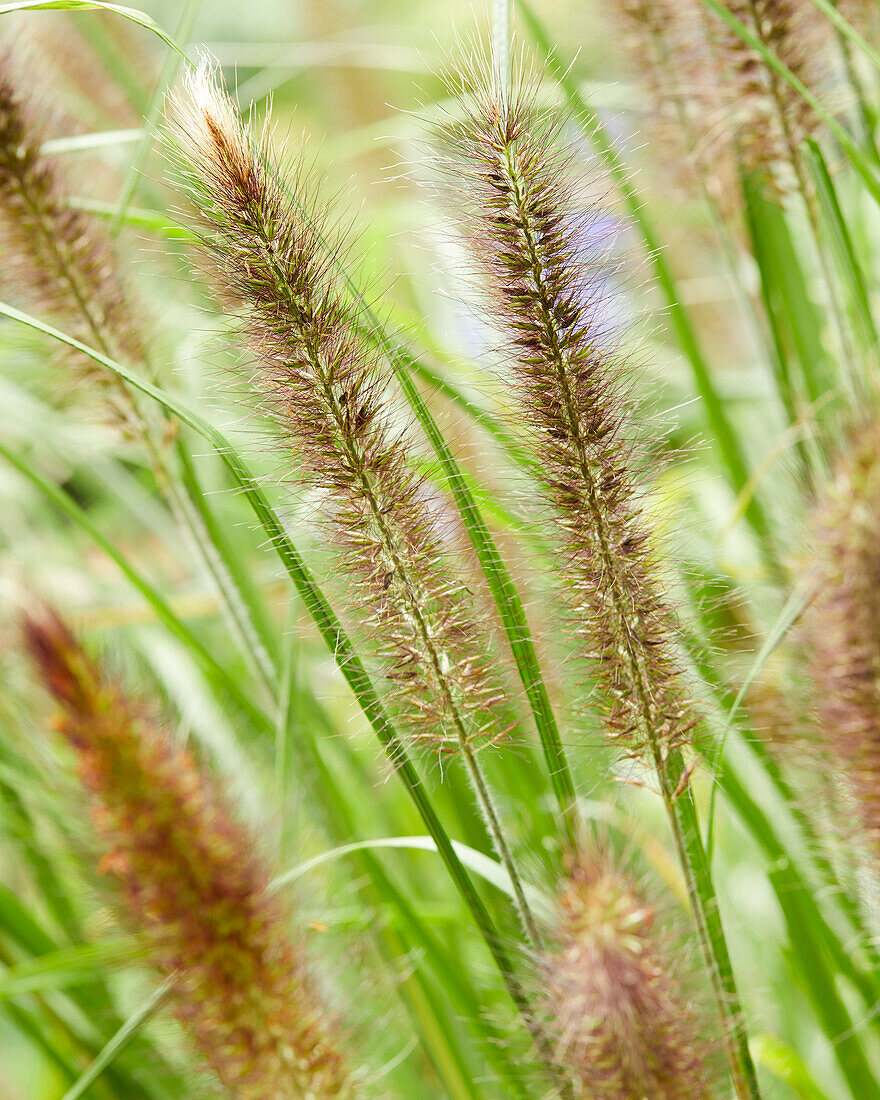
(624,1027)
(193,887)
(512,193)
(274,256)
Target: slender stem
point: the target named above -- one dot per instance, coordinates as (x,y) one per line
(707,917)
(493,823)
(501,44)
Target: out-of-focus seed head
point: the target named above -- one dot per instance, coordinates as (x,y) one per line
(193,886)
(842,627)
(623,1031)
(62,261)
(767,117)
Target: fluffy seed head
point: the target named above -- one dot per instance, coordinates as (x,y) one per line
(842,628)
(512,192)
(622,1031)
(273,255)
(193,886)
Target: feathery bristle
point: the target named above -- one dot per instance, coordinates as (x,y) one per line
(65,263)
(842,628)
(273,255)
(529,242)
(622,1031)
(193,886)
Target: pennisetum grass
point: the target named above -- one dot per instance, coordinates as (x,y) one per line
(592,996)
(65,263)
(525,237)
(192,885)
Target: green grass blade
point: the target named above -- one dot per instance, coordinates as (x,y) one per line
(66,966)
(852,273)
(132,14)
(784,1063)
(477,862)
(105,1058)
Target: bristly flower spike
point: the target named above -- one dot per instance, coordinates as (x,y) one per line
(842,627)
(273,255)
(623,1031)
(512,189)
(528,243)
(193,886)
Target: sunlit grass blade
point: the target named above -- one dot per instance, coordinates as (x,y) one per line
(852,273)
(132,14)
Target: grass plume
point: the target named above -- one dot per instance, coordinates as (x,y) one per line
(528,243)
(271,253)
(193,885)
(623,1030)
(842,627)
(63,260)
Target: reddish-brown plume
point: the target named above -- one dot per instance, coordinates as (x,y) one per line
(842,628)
(622,1031)
(194,887)
(513,190)
(274,256)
